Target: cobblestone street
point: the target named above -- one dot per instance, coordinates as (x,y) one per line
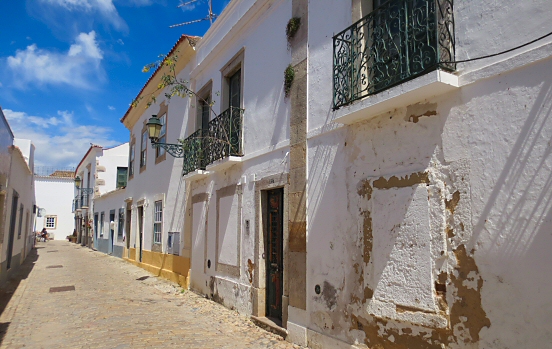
(113,305)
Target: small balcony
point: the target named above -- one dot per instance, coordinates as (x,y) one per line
(397,42)
(220,142)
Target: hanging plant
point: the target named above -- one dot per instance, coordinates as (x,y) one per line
(289,75)
(292,28)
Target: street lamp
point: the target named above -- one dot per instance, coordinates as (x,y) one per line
(154,130)
(84,193)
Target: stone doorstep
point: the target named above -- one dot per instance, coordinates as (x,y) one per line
(270,325)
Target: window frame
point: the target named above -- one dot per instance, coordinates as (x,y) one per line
(119,169)
(203,103)
(157,221)
(54,217)
(131,157)
(230,69)
(143,149)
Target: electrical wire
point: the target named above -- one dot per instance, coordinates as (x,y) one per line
(501,53)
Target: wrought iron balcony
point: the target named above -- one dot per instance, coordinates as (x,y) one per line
(193,148)
(398,41)
(221,138)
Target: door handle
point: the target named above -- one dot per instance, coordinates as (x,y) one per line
(274,266)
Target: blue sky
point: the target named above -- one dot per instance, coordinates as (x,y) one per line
(70,68)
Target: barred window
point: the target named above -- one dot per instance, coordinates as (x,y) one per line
(157,221)
(51,222)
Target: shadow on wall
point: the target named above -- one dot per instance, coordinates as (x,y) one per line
(7,290)
(517,215)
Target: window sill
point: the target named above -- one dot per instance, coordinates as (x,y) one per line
(411,92)
(224,163)
(196,175)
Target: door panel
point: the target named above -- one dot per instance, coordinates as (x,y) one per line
(274,253)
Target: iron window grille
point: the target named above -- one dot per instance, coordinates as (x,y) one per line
(398,41)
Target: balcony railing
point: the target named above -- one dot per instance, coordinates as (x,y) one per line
(193,148)
(222,138)
(398,41)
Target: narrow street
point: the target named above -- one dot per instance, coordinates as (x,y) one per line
(113,305)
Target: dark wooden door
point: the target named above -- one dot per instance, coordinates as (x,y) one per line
(11,232)
(274,253)
(140,229)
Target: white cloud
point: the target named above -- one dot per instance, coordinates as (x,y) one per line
(120,42)
(60,146)
(105,8)
(110,107)
(75,68)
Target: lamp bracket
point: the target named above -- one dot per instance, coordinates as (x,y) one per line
(175,150)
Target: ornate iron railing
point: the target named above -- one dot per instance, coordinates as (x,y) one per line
(224,136)
(221,138)
(398,41)
(193,148)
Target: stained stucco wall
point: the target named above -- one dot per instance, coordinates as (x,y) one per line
(431,222)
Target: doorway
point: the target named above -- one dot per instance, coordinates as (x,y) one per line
(274,253)
(11,237)
(127,227)
(140,230)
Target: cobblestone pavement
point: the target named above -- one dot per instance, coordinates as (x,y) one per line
(110,308)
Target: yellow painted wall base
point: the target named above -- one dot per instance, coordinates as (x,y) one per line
(167,266)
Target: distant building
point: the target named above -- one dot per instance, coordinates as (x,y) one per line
(100,171)
(54,194)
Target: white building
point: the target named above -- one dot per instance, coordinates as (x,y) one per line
(100,171)
(17,199)
(156,191)
(398,198)
(54,193)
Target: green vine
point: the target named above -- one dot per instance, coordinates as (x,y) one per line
(292,28)
(289,75)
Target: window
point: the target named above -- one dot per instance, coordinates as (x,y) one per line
(232,82)
(20,221)
(102,218)
(157,221)
(143,149)
(159,151)
(50,222)
(131,160)
(203,107)
(121,222)
(121,177)
(234,89)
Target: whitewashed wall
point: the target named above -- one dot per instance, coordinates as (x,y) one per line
(55,196)
(257,28)
(20,180)
(468,209)
(161,181)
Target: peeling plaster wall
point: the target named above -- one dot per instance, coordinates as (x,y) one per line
(431,223)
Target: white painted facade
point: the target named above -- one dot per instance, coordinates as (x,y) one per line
(98,173)
(159,178)
(53,198)
(456,259)
(224,249)
(19,200)
(428,204)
